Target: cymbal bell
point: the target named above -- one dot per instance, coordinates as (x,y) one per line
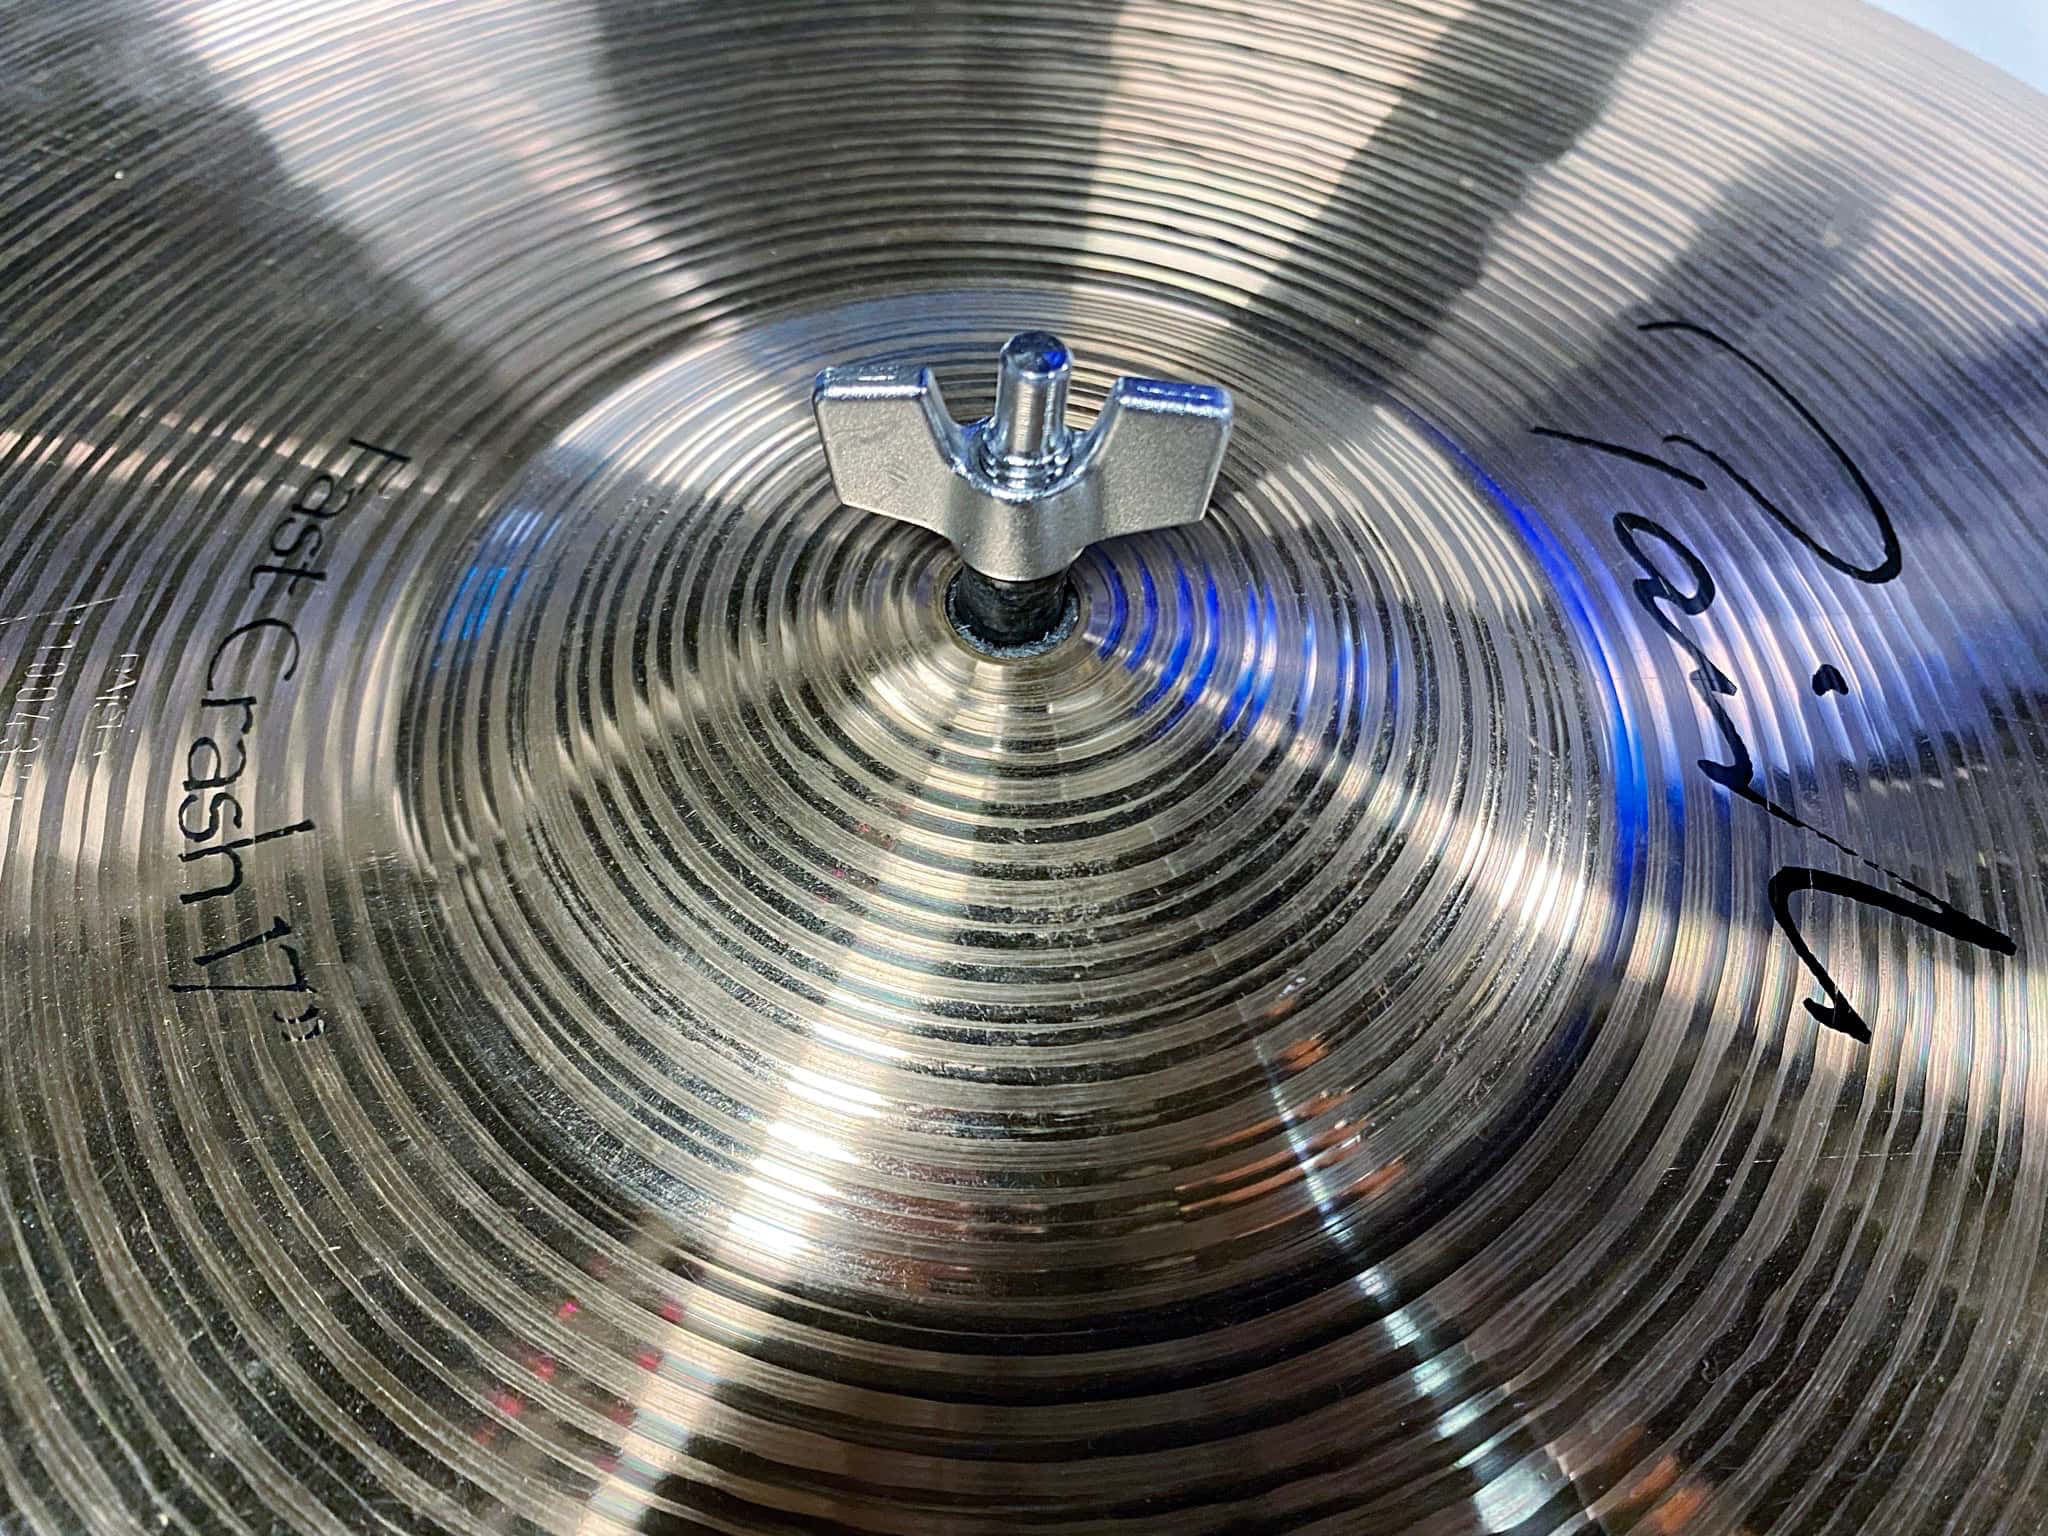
(1473,972)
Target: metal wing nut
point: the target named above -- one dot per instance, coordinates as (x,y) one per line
(1018,494)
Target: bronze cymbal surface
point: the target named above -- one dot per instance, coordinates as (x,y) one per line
(1485,986)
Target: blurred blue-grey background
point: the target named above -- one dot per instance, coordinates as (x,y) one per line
(2013,34)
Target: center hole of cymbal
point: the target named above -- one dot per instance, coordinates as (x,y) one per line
(1010,620)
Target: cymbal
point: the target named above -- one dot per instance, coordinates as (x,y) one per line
(1484,985)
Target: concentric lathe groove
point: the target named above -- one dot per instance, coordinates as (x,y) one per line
(544,988)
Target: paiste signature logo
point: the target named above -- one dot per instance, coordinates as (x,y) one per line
(1676,585)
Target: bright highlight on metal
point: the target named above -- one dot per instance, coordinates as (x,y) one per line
(1018,494)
